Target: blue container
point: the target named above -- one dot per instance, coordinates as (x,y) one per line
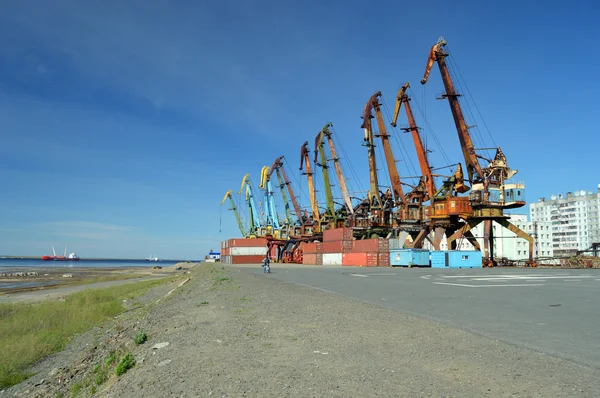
(439,259)
(409,258)
(456,259)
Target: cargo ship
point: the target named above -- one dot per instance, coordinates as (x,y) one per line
(64,257)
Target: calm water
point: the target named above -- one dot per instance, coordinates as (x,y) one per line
(7,263)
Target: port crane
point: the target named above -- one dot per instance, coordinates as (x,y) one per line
(314,226)
(256,227)
(443,215)
(346,213)
(295,224)
(491,193)
(234,209)
(272,220)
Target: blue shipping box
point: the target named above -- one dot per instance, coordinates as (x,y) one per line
(409,258)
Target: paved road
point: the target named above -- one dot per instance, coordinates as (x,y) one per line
(552,311)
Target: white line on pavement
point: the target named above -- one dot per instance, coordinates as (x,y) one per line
(361,275)
(513,285)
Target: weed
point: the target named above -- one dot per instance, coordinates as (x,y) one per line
(245,299)
(93,390)
(77,387)
(127,362)
(140,338)
(223,279)
(204,303)
(111,358)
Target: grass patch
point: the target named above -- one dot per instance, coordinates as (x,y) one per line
(204,303)
(127,362)
(140,338)
(30,332)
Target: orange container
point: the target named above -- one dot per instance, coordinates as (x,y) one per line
(337,247)
(309,258)
(354,259)
(258,242)
(246,259)
(332,235)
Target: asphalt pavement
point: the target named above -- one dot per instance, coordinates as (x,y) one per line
(554,311)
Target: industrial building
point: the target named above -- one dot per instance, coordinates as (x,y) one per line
(566,224)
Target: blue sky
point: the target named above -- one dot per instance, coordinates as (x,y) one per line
(123,123)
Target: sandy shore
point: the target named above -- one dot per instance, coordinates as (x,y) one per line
(53,278)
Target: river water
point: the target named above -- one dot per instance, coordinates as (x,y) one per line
(7,263)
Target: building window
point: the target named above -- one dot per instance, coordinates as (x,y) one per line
(465,257)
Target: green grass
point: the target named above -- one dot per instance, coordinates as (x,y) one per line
(127,362)
(140,338)
(30,332)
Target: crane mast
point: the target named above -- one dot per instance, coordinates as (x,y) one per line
(234,209)
(304,159)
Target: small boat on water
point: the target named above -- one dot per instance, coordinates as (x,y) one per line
(152,258)
(64,257)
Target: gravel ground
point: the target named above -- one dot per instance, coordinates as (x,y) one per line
(233,334)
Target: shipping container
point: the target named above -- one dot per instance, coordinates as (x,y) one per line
(332,258)
(246,259)
(309,258)
(319,258)
(338,234)
(456,259)
(248,251)
(337,247)
(370,245)
(409,258)
(354,259)
(395,243)
(383,260)
(257,242)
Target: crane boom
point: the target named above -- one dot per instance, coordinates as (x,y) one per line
(397,190)
(437,54)
(304,158)
(338,169)
(319,151)
(278,164)
(270,211)
(370,144)
(255,222)
(234,209)
(402,98)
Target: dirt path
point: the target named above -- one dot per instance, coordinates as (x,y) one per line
(234,334)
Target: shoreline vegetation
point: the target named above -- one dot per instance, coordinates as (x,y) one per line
(29,332)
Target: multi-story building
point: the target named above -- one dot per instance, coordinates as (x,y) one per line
(574,222)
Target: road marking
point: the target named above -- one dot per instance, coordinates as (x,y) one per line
(512,285)
(517,277)
(451,284)
(429,276)
(361,275)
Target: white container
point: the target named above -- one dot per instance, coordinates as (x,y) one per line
(332,258)
(248,251)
